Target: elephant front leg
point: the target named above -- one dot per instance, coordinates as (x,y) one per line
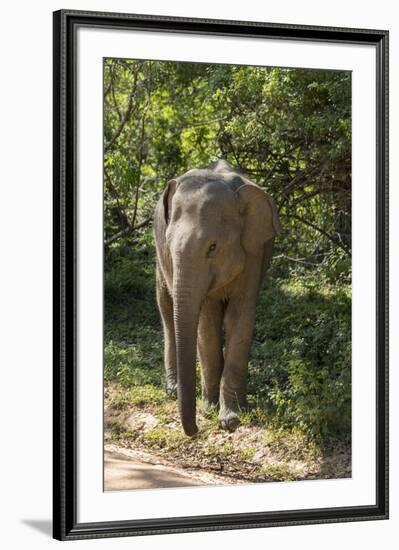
(165,305)
(210,342)
(239,325)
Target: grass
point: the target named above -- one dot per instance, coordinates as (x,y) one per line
(299,389)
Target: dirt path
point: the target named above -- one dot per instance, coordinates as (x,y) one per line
(145,447)
(127,469)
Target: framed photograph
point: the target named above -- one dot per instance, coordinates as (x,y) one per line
(220,274)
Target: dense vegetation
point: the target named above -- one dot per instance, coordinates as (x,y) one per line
(290,130)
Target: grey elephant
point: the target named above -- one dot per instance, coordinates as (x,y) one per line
(214,232)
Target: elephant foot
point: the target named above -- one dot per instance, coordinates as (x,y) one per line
(190,429)
(209,406)
(171,389)
(229,421)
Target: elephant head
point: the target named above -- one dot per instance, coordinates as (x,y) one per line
(214,222)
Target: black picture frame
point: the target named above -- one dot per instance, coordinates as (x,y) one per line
(66,527)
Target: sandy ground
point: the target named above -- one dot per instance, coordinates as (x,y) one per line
(126,469)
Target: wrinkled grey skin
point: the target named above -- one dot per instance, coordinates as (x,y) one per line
(214,233)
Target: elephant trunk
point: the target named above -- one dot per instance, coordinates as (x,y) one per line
(186,309)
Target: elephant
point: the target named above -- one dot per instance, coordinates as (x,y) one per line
(214,232)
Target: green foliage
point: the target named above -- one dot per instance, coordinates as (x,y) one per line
(289,129)
(160,437)
(301,358)
(133,349)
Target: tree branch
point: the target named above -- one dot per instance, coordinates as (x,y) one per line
(127,112)
(142,137)
(200,123)
(297,260)
(127,231)
(121,213)
(333,238)
(299,177)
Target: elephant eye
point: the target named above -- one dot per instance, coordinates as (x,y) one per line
(212,248)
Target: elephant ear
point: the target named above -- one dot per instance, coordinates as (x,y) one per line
(168,193)
(260,216)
